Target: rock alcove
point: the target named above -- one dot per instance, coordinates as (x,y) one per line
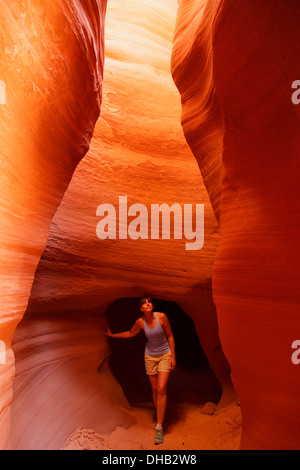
(193,382)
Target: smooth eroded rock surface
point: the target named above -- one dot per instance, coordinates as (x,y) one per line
(51,68)
(138,150)
(253,50)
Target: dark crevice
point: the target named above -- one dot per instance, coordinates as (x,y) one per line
(193,380)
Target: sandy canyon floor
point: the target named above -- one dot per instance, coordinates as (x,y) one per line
(195,430)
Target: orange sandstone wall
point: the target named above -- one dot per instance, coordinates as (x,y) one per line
(138,149)
(192,70)
(51,67)
(255,50)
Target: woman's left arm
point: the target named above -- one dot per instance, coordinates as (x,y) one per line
(167,328)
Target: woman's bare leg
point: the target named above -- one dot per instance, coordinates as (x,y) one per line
(162,382)
(153,382)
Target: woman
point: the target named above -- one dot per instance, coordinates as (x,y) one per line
(159,356)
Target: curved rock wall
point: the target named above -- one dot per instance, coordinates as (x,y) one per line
(192,70)
(255,48)
(138,149)
(234,63)
(63,380)
(51,65)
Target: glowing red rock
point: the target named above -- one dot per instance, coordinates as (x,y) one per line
(138,149)
(251,66)
(51,65)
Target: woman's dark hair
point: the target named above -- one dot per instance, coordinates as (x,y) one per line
(144,300)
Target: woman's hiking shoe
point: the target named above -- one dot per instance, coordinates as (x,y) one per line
(159,436)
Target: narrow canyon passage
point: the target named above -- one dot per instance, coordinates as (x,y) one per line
(164,102)
(138,150)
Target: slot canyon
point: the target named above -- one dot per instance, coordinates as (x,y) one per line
(166,102)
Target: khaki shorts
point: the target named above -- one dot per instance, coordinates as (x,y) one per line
(161,363)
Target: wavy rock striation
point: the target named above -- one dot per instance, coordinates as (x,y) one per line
(192,70)
(138,149)
(51,68)
(250,64)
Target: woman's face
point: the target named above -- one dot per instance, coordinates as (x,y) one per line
(147,307)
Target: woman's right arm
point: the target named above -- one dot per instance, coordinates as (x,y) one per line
(125,334)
